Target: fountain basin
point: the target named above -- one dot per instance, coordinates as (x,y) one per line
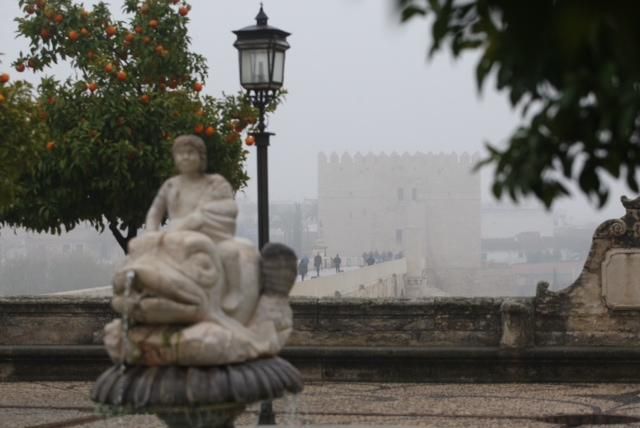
(194,396)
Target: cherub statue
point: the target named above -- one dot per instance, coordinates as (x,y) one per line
(198,295)
(194,200)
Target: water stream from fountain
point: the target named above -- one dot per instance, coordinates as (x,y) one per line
(125,331)
(292,416)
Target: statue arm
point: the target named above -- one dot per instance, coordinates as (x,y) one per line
(193,221)
(158,209)
(221,189)
(216,210)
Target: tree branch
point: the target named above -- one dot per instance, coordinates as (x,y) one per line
(122,241)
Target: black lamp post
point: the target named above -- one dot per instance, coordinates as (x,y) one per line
(261,51)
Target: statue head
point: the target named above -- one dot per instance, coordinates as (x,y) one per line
(191,142)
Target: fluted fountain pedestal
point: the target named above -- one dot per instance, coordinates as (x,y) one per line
(194,396)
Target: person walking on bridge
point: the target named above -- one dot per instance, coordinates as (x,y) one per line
(337,261)
(317,263)
(303,267)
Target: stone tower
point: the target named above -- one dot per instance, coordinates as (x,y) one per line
(427,204)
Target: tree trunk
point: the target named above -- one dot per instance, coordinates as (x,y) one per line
(123,240)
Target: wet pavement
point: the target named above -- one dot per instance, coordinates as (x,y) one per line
(67,404)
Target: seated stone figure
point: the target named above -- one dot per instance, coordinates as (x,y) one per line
(194,200)
(199,296)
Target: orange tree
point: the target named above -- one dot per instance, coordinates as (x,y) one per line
(136,86)
(21,134)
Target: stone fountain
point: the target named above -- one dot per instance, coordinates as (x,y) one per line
(204,314)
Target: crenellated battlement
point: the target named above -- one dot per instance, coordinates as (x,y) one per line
(335,159)
(360,175)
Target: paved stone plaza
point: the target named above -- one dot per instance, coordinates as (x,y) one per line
(65,404)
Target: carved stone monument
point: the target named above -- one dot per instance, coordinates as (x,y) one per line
(602,307)
(204,314)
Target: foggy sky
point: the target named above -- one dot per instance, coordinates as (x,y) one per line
(357,81)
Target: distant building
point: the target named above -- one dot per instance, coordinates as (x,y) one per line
(517,264)
(424,205)
(506,219)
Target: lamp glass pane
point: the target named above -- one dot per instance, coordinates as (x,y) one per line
(278,67)
(255,66)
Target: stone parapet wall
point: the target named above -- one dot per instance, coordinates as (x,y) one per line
(317,322)
(440,339)
(355,322)
(27,320)
(393,322)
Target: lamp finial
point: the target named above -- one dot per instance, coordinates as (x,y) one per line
(262,17)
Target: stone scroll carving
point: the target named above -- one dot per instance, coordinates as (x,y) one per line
(602,307)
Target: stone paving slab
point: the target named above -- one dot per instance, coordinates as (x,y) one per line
(67,404)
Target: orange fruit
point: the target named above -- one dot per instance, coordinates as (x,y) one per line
(2,98)
(250,140)
(199,128)
(122,76)
(51,146)
(74,36)
(4,78)
(154,24)
(59,18)
(232,138)
(145,99)
(111,31)
(45,34)
(108,68)
(84,32)
(197,87)
(129,37)
(210,131)
(138,29)
(183,11)
(92,86)
(20,67)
